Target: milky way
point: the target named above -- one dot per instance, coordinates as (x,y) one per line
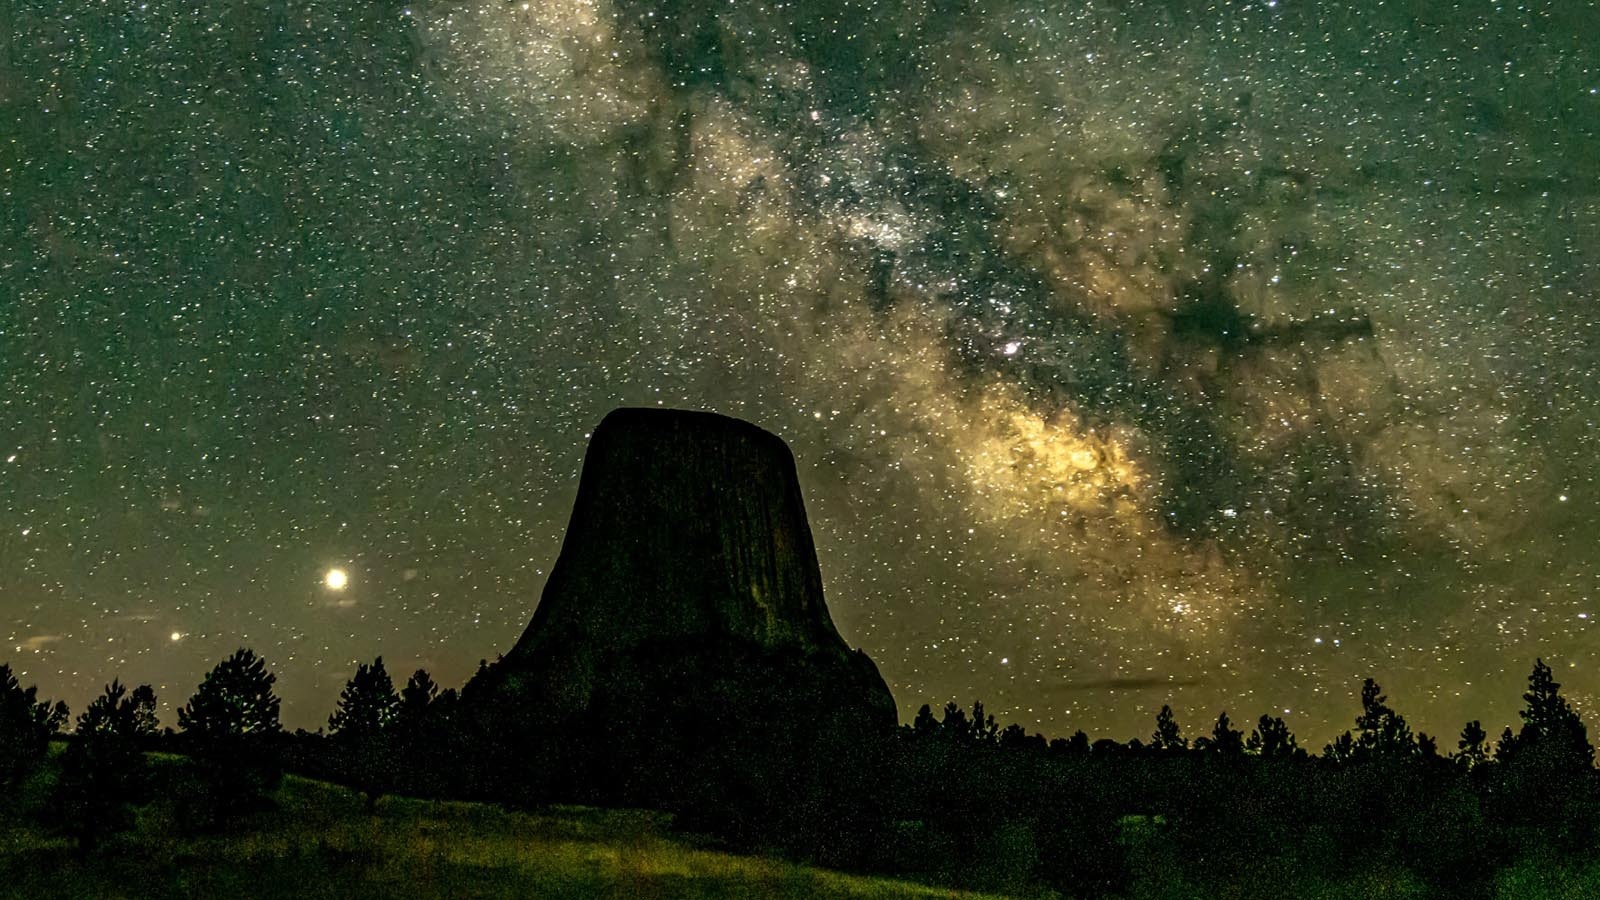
(1131,353)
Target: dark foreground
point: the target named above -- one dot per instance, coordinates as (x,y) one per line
(320,840)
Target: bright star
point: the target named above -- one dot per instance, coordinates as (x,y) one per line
(336,579)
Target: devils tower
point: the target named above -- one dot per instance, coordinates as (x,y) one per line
(682,639)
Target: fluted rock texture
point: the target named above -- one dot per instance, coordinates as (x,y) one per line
(684,615)
(686,525)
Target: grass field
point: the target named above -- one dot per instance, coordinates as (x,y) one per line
(321,842)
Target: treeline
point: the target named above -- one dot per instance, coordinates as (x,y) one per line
(230,732)
(1252,813)
(952,798)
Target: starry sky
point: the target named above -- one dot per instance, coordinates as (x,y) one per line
(1132,352)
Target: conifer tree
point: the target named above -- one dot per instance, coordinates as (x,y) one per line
(1341,750)
(367,705)
(1013,737)
(1078,744)
(1168,737)
(1380,730)
(103,771)
(984,730)
(1545,782)
(361,728)
(26,726)
(234,700)
(954,724)
(417,699)
(1271,738)
(1506,746)
(231,720)
(1472,750)
(129,715)
(142,719)
(1550,722)
(1224,738)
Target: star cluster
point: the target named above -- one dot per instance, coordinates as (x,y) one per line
(1132,352)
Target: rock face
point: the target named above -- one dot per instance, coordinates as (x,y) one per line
(685,612)
(687,525)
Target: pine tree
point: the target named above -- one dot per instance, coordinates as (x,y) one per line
(120,713)
(26,726)
(1550,721)
(1471,750)
(1014,737)
(1078,744)
(1167,737)
(1505,748)
(230,721)
(234,700)
(361,725)
(983,728)
(103,771)
(1224,739)
(1380,730)
(142,720)
(1271,738)
(954,725)
(426,744)
(416,700)
(1545,780)
(1342,750)
(367,705)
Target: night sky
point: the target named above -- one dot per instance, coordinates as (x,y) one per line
(1131,353)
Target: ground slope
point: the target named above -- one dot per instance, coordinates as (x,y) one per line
(320,842)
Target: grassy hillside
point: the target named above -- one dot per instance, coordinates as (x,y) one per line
(321,842)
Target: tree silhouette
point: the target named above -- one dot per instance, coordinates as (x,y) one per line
(230,722)
(427,743)
(984,729)
(1549,721)
(1341,750)
(1380,730)
(416,700)
(368,708)
(142,720)
(121,713)
(1015,737)
(1471,750)
(1079,743)
(1224,738)
(1167,737)
(1271,738)
(26,726)
(368,703)
(1505,747)
(1545,789)
(954,725)
(234,700)
(103,771)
